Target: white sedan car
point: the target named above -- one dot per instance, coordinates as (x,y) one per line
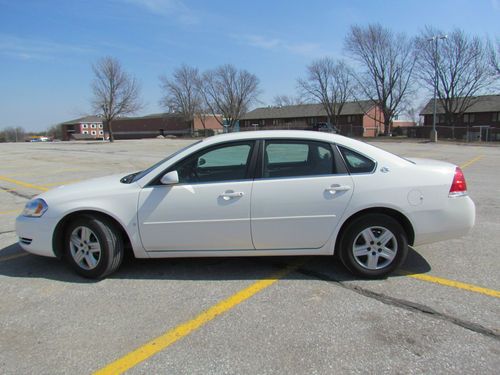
(255,193)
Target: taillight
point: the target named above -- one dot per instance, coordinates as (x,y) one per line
(458,186)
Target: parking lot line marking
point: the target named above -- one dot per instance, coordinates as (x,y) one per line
(23,184)
(9,212)
(453,284)
(472,161)
(177,333)
(14,256)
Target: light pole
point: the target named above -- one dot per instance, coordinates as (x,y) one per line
(435,39)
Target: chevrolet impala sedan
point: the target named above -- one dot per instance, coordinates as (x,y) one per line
(255,194)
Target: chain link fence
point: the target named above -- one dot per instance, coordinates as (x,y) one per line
(479,133)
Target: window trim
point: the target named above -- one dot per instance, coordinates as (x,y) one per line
(375,163)
(339,164)
(250,173)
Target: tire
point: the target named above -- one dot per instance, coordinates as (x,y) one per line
(93,246)
(373,246)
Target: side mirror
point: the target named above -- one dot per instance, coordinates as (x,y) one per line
(171,178)
(201,162)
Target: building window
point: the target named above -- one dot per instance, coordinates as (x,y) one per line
(101,132)
(441,119)
(85,126)
(350,119)
(468,118)
(93,132)
(85,132)
(495,117)
(93,126)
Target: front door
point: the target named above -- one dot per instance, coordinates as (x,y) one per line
(209,209)
(301,196)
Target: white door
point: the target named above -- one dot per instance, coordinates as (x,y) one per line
(209,209)
(301,197)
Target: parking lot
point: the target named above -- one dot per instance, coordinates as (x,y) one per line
(440,314)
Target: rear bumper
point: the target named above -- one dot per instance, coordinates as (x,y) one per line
(454,220)
(35,235)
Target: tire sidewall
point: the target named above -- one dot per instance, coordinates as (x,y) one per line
(106,243)
(354,229)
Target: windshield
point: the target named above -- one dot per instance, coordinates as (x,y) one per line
(138,175)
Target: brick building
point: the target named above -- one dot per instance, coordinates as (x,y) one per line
(360,118)
(151,126)
(481,121)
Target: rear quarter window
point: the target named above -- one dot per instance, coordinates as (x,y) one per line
(355,162)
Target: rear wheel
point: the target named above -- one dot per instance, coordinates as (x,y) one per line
(93,246)
(373,245)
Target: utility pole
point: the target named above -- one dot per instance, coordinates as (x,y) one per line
(434,136)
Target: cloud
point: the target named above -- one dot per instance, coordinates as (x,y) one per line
(171,8)
(26,49)
(276,44)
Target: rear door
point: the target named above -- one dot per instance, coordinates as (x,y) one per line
(300,196)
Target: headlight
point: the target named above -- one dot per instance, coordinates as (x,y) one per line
(35,208)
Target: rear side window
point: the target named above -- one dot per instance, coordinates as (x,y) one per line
(283,158)
(357,163)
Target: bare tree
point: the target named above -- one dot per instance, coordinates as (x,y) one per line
(330,83)
(116,93)
(462,70)
(13,134)
(228,92)
(181,94)
(494,55)
(387,63)
(287,100)
(55,131)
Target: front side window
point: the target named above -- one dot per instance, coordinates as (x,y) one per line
(297,159)
(224,163)
(357,163)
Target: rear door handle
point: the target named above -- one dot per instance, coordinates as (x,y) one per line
(231,194)
(336,187)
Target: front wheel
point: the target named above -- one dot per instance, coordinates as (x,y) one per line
(93,246)
(373,245)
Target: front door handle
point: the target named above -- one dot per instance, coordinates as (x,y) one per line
(336,187)
(231,194)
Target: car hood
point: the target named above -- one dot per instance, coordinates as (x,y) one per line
(89,188)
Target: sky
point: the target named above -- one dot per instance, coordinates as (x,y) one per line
(47,47)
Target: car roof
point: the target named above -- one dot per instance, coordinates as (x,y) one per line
(290,134)
(261,134)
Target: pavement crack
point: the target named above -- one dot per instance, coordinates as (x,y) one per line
(402,303)
(16,193)
(7,231)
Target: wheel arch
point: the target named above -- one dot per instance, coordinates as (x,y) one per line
(58,236)
(395,214)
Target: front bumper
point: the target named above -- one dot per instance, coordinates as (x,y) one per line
(35,234)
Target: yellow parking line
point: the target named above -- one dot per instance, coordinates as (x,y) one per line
(175,334)
(49,173)
(453,284)
(9,212)
(23,184)
(14,256)
(470,162)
